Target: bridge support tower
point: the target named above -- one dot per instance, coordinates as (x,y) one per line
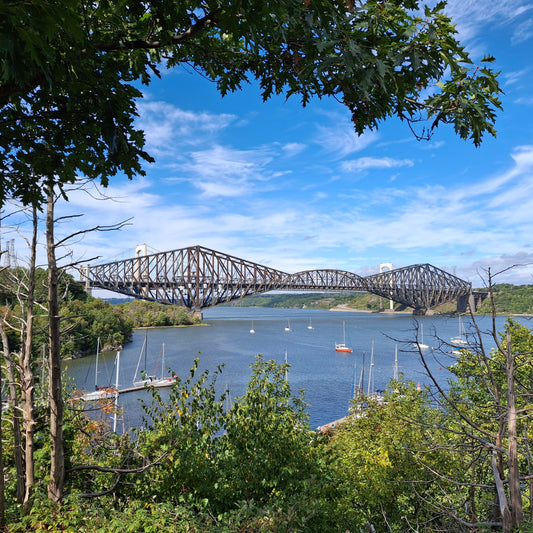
(382,268)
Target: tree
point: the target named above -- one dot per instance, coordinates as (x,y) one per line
(19,360)
(67,97)
(488,407)
(385,456)
(268,444)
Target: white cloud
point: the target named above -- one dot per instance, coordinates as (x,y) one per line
(167,126)
(365,163)
(223,171)
(472,16)
(294,148)
(339,138)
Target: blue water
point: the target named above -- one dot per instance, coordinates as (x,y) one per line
(327,376)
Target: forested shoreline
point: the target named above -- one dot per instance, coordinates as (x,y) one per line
(508,299)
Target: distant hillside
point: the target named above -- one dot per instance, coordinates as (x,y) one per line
(509,299)
(314,300)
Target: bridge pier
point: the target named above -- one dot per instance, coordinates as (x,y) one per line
(423,312)
(470,302)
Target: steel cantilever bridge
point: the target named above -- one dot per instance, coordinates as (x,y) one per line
(197,278)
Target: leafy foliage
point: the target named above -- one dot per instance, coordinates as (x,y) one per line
(384,459)
(84,322)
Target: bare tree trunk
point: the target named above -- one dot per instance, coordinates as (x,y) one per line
(27,381)
(2,479)
(57,460)
(13,400)
(517,512)
(502,498)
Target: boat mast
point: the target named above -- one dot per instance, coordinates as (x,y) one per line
(116,394)
(370,373)
(139,361)
(396,373)
(96,369)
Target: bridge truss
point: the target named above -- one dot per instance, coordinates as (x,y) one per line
(418,286)
(198,277)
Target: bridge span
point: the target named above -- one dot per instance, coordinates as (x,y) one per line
(197,277)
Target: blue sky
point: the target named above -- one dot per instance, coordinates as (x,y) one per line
(296,189)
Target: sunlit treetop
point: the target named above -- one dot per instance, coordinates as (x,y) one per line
(69,69)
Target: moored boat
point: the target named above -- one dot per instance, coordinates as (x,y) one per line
(342,346)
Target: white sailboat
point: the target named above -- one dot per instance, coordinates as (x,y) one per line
(310,326)
(162,381)
(102,393)
(460,340)
(288,327)
(137,380)
(252,331)
(421,344)
(341,346)
(152,381)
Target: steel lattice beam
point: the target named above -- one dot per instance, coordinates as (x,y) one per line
(198,277)
(194,277)
(418,286)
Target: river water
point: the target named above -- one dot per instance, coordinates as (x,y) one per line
(327,376)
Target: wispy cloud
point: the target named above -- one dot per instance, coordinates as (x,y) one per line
(366,163)
(339,139)
(471,17)
(292,149)
(223,171)
(167,126)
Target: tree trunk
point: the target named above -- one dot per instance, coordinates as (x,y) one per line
(517,512)
(2,478)
(28,381)
(13,400)
(57,459)
(502,497)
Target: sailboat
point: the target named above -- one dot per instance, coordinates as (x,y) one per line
(152,380)
(460,340)
(421,344)
(341,347)
(310,326)
(252,331)
(138,381)
(162,381)
(101,393)
(288,327)
(97,393)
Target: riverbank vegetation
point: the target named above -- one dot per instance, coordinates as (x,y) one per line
(84,318)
